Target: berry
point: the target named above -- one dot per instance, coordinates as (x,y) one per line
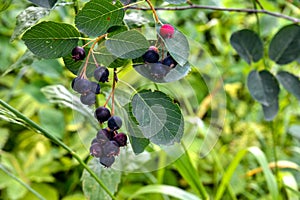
(159,71)
(88,98)
(121,139)
(96,150)
(107,161)
(101,74)
(111,148)
(102,114)
(81,85)
(167,31)
(78,53)
(95,87)
(151,56)
(169,61)
(114,123)
(94,141)
(104,135)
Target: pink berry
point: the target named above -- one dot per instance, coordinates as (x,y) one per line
(167,31)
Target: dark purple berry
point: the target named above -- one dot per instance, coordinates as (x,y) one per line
(104,135)
(81,85)
(96,150)
(94,141)
(159,70)
(88,98)
(107,161)
(121,139)
(102,114)
(111,148)
(95,88)
(101,74)
(169,61)
(151,56)
(78,53)
(114,123)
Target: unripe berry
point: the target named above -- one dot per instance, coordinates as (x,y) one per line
(101,74)
(121,139)
(102,114)
(167,31)
(78,53)
(114,123)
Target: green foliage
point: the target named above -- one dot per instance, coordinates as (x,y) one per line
(97,16)
(248,44)
(158,117)
(178,134)
(46,41)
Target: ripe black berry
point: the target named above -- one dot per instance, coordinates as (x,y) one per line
(121,139)
(95,87)
(81,85)
(107,161)
(102,114)
(78,53)
(169,61)
(111,148)
(151,56)
(101,74)
(104,135)
(88,98)
(114,123)
(96,150)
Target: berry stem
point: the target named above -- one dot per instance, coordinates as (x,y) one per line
(83,72)
(113,92)
(154,12)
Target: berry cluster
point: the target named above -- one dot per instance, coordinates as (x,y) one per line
(106,145)
(108,141)
(88,89)
(159,68)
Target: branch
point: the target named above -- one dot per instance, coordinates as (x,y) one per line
(245,10)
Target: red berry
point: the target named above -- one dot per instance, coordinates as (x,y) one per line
(167,31)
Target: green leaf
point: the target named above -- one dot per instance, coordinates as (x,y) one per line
(159,118)
(51,68)
(160,73)
(27,18)
(177,46)
(97,16)
(4,136)
(53,121)
(4,4)
(165,190)
(248,45)
(263,87)
(129,44)
(285,45)
(51,39)
(294,130)
(110,177)
(137,139)
(44,3)
(261,158)
(290,82)
(271,110)
(104,57)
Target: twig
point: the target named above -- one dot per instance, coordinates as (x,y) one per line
(245,10)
